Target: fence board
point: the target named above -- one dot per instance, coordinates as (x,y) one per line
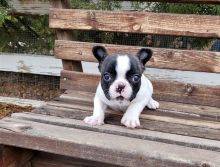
(32,7)
(136,22)
(162,58)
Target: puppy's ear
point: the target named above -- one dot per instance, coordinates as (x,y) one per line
(144,55)
(100,53)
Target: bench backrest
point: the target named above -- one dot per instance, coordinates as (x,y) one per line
(73,52)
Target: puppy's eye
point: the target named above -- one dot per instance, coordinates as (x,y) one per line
(136,78)
(107,77)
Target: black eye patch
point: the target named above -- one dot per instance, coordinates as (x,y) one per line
(133,76)
(108,74)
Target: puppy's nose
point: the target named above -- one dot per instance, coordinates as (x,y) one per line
(120,88)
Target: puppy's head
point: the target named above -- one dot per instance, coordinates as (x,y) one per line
(121,73)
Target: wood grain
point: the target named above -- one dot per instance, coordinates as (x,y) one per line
(114,119)
(142,133)
(30,7)
(136,22)
(190,60)
(102,147)
(66,35)
(163,90)
(160,115)
(197,111)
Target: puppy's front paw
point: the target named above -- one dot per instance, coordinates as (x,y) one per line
(130,121)
(153,104)
(94,120)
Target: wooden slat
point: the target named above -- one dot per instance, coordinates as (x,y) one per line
(86,99)
(159,115)
(182,1)
(163,90)
(114,119)
(162,58)
(30,7)
(136,22)
(102,147)
(122,131)
(66,35)
(192,120)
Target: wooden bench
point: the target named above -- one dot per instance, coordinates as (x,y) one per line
(184,131)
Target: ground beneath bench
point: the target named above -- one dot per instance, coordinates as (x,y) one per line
(8,109)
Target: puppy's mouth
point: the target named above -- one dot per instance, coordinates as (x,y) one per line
(120,98)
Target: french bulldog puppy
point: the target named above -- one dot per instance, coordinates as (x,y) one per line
(123,86)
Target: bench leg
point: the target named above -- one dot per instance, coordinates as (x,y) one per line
(15,157)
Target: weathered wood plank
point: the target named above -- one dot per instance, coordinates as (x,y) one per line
(136,22)
(158,115)
(163,90)
(122,131)
(176,111)
(14,157)
(182,1)
(66,35)
(86,99)
(102,147)
(32,7)
(162,58)
(114,119)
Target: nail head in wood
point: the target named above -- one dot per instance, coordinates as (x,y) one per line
(188,89)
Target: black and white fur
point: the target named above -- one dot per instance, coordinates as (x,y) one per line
(123,86)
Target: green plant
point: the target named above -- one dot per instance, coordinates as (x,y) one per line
(26,34)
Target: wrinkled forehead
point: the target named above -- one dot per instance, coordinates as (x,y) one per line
(121,64)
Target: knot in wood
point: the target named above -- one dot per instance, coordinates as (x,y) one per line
(188,89)
(92,15)
(80,52)
(169,54)
(136,27)
(54,16)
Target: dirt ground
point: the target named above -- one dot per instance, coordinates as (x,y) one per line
(7,109)
(28,86)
